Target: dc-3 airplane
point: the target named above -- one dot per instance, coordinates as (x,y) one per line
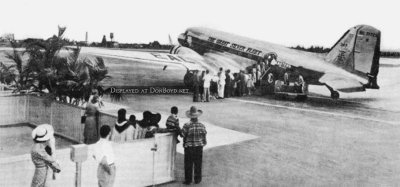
(352,64)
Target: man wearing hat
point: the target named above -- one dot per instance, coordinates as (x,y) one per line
(41,154)
(194,138)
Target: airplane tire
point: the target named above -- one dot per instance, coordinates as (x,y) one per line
(301,97)
(335,95)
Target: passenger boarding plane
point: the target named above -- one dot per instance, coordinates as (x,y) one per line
(352,64)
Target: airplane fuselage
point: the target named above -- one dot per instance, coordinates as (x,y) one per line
(352,64)
(203,40)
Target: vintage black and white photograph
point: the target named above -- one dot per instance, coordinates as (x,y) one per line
(209,93)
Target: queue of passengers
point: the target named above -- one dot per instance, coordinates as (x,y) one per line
(225,84)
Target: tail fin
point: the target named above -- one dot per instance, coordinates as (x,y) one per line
(170,40)
(358,51)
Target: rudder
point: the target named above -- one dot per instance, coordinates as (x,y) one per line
(358,51)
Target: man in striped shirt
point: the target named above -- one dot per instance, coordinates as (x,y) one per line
(194,139)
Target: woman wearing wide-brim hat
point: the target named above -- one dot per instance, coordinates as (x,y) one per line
(153,126)
(194,139)
(41,154)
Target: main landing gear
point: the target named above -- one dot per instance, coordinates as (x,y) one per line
(334,94)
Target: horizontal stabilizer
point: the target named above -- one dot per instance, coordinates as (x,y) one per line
(342,83)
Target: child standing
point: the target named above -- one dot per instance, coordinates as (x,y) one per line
(173,122)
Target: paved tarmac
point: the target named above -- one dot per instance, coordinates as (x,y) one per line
(296,146)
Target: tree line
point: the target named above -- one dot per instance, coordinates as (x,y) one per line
(314,49)
(320,49)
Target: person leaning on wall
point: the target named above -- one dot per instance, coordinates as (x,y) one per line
(122,131)
(90,132)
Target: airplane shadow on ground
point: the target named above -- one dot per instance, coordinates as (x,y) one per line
(321,101)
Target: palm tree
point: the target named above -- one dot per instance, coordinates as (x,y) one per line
(7,74)
(52,69)
(82,76)
(16,74)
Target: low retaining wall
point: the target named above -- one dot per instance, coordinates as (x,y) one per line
(13,109)
(134,159)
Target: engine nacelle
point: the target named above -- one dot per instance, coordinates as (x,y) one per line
(185,51)
(189,55)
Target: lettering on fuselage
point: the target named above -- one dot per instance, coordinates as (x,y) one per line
(372,34)
(211,39)
(341,57)
(237,47)
(222,42)
(253,51)
(234,46)
(283,65)
(244,50)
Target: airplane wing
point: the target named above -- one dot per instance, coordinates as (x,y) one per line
(153,57)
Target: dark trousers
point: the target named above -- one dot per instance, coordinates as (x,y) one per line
(239,90)
(193,157)
(196,93)
(228,91)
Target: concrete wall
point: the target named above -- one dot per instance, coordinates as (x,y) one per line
(65,118)
(134,165)
(134,159)
(12,109)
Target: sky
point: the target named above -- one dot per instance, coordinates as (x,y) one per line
(286,22)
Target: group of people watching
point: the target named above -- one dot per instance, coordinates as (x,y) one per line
(100,136)
(225,84)
(124,129)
